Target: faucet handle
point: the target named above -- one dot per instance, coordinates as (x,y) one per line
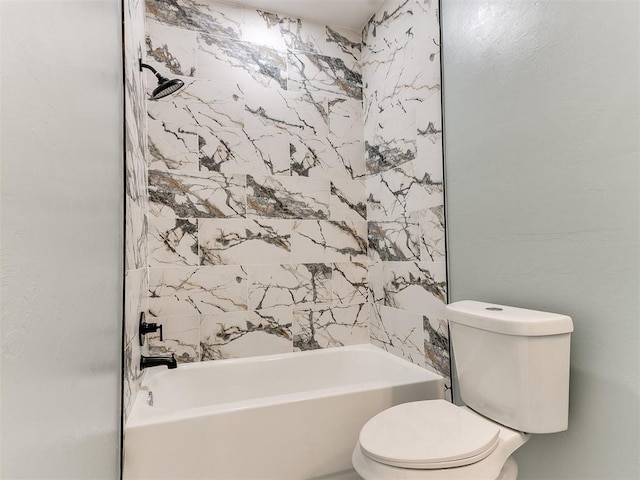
(145,328)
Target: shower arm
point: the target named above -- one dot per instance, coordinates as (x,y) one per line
(155,72)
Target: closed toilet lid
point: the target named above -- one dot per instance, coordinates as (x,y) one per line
(427,435)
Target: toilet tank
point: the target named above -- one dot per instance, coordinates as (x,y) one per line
(512,364)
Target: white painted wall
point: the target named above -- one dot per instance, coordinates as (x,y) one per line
(542,141)
(61,212)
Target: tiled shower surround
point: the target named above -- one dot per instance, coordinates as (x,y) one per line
(257,197)
(295,190)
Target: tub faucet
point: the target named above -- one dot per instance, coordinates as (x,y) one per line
(170,362)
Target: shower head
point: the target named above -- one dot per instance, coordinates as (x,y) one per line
(165,86)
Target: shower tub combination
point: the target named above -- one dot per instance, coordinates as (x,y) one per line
(289,416)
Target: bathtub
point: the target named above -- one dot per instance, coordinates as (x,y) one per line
(289,416)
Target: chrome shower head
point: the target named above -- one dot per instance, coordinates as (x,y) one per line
(165,86)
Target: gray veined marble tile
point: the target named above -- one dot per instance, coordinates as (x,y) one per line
(348,199)
(173,242)
(403,190)
(326,327)
(391,28)
(181,337)
(201,102)
(313,73)
(289,285)
(196,194)
(398,332)
(136,247)
(287,197)
(266,29)
(243,151)
(436,345)
(174,48)
(197,290)
(213,18)
(328,241)
(245,334)
(376,282)
(350,283)
(136,300)
(326,157)
(172,146)
(432,238)
(395,239)
(418,287)
(293,112)
(383,154)
(429,136)
(226,59)
(311,37)
(243,242)
(346,118)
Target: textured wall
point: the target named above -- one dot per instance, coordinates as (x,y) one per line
(136,197)
(257,230)
(542,113)
(62,204)
(405,199)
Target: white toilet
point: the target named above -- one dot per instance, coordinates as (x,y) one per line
(513,373)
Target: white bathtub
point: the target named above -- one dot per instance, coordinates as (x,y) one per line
(289,416)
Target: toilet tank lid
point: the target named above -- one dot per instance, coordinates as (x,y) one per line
(508,320)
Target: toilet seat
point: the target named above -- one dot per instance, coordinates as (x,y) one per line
(432,434)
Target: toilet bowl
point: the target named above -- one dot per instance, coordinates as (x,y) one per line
(512,366)
(436,440)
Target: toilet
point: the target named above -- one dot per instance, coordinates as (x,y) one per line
(513,373)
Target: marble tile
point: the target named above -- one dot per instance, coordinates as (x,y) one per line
(196,194)
(289,285)
(293,112)
(418,287)
(326,327)
(395,240)
(266,29)
(174,48)
(323,241)
(383,154)
(136,301)
(398,332)
(246,334)
(429,136)
(436,345)
(287,197)
(376,282)
(136,247)
(201,102)
(227,59)
(326,157)
(173,242)
(213,18)
(314,73)
(311,37)
(243,151)
(181,337)
(348,199)
(346,118)
(172,146)
(244,242)
(350,283)
(197,290)
(432,234)
(403,190)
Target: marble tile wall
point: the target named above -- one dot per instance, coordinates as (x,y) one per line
(136,197)
(257,224)
(404,182)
